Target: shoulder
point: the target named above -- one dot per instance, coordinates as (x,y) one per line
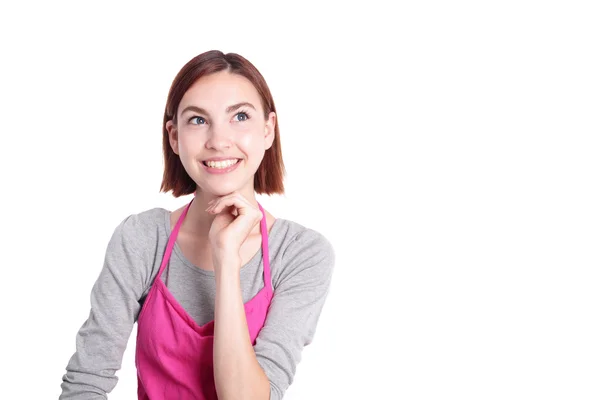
(149,219)
(312,241)
(296,234)
(305,248)
(141,231)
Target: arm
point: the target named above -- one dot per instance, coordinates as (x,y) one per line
(101,341)
(267,370)
(237,373)
(300,294)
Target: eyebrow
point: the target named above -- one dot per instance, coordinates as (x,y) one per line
(228,110)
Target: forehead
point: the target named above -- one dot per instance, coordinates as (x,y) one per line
(217,91)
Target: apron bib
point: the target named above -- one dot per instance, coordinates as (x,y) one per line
(174,355)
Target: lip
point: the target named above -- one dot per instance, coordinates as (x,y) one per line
(220,171)
(221,158)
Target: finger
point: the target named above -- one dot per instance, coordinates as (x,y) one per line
(250,215)
(243,225)
(229,201)
(234,199)
(213,203)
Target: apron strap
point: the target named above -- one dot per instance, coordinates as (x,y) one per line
(172,239)
(265,250)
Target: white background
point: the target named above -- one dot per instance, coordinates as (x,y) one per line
(448,150)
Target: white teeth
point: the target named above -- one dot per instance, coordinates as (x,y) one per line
(221,164)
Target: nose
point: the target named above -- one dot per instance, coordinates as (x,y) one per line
(219,137)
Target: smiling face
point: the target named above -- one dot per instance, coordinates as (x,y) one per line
(221,116)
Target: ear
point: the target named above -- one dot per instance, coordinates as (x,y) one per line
(173,139)
(270,130)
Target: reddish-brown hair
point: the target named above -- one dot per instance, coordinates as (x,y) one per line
(268,179)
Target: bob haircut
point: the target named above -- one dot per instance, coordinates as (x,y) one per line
(268,179)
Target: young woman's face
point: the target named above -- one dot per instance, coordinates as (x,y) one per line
(221,116)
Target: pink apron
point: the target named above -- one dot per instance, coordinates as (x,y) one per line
(174,355)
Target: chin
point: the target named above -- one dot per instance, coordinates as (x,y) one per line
(220,190)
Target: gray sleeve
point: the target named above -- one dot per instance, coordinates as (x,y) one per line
(102,339)
(298,299)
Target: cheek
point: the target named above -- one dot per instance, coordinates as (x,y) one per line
(189,140)
(251,139)
(246,140)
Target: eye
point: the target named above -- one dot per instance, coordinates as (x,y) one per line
(196,118)
(246,116)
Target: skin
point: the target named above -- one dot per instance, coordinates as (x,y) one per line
(222,226)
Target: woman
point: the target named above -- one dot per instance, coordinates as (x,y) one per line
(225,294)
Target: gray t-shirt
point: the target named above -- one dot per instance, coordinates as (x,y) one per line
(302,262)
